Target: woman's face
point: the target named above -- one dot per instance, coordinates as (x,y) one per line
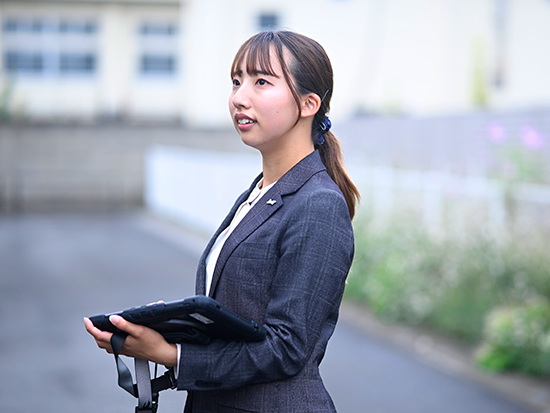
(262,107)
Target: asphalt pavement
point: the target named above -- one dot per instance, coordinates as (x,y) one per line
(57,268)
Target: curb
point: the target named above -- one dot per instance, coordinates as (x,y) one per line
(450,356)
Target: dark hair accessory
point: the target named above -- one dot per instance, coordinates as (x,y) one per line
(324,127)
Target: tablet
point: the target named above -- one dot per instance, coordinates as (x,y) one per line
(198,319)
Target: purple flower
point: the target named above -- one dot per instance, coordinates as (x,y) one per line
(496,132)
(531,138)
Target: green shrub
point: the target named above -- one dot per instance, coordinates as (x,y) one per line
(518,338)
(405,273)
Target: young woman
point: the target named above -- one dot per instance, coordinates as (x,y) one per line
(282,255)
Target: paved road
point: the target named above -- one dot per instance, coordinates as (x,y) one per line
(55,269)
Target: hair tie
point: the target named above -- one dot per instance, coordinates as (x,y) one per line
(324,127)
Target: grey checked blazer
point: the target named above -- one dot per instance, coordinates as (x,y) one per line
(283,266)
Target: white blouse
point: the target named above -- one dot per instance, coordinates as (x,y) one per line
(246,206)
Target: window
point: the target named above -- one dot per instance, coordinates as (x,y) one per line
(268,21)
(67,26)
(20,62)
(52,46)
(158,45)
(77,63)
(157,64)
(152,29)
(23,25)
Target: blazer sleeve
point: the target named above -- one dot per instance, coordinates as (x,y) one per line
(316,251)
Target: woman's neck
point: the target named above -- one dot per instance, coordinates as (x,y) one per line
(279,157)
(275,165)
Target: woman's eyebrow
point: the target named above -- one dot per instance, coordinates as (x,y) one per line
(262,73)
(255,72)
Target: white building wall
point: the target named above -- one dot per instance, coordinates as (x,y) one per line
(527,57)
(215,29)
(388,56)
(116,60)
(412,56)
(155,96)
(208,47)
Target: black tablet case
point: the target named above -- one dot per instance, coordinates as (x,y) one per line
(198,319)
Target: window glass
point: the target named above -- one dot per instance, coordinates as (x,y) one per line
(77,63)
(67,26)
(157,64)
(158,29)
(268,21)
(157,49)
(21,62)
(49,46)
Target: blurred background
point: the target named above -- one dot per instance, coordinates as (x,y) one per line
(112,108)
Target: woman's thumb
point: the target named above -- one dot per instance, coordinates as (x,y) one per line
(120,323)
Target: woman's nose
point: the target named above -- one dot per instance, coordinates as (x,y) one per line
(239,97)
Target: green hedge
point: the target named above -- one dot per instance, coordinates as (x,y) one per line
(450,282)
(518,338)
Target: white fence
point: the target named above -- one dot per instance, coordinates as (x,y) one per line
(439,195)
(196,187)
(199,187)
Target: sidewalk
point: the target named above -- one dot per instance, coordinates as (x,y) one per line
(451,357)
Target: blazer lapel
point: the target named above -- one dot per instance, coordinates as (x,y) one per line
(200,281)
(252,220)
(289,183)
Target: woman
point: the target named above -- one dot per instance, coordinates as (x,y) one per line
(282,255)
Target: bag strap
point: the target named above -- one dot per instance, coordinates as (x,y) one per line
(143,382)
(145,389)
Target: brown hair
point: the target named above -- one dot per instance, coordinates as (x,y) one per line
(309,71)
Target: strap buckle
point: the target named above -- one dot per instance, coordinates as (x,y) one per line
(150,409)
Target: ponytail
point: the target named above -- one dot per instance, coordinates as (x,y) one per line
(331,155)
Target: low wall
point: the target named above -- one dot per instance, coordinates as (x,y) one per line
(197,188)
(63,167)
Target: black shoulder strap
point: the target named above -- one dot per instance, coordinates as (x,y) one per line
(145,389)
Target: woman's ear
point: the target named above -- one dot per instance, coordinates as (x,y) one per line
(311,104)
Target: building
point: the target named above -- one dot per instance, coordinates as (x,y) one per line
(91,59)
(166,60)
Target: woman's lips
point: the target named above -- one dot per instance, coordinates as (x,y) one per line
(244,122)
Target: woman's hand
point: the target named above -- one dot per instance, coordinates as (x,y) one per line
(142,342)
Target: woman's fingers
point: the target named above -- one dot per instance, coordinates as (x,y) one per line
(124,325)
(102,338)
(142,342)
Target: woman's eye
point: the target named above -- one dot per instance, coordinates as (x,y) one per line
(262,82)
(236,82)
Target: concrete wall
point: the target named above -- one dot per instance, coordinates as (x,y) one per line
(75,167)
(90,168)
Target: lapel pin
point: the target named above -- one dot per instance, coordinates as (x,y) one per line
(271,202)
